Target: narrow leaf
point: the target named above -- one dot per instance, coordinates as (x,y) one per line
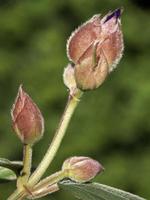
(6,174)
(15,166)
(97,191)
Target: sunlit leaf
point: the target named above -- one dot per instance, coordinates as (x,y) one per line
(6,174)
(15,166)
(96,191)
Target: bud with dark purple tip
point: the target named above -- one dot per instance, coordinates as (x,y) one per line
(81,169)
(95,48)
(116,14)
(27,119)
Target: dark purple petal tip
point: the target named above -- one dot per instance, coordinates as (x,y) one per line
(116,14)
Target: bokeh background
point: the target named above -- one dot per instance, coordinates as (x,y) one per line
(112,123)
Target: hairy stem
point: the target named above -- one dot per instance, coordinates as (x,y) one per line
(27,160)
(45,191)
(54,146)
(45,186)
(50,180)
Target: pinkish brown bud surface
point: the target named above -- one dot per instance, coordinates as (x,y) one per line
(96,48)
(27,119)
(82,169)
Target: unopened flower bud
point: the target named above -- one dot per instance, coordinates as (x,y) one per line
(69,77)
(81,169)
(95,48)
(27,119)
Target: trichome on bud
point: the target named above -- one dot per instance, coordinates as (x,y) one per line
(95,48)
(27,120)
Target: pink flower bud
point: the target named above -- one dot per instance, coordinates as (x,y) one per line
(96,48)
(81,169)
(27,119)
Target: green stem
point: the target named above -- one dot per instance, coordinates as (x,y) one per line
(54,146)
(60,132)
(17,195)
(50,180)
(45,191)
(43,187)
(27,160)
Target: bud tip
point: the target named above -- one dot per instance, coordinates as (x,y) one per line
(116,13)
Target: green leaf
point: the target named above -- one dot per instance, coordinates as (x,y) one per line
(15,166)
(96,191)
(6,174)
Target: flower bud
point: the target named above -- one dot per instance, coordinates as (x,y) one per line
(81,169)
(27,119)
(95,48)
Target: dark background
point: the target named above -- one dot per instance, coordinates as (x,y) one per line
(112,123)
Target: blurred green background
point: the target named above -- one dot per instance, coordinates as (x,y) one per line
(111,124)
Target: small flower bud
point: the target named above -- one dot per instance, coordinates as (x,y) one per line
(69,77)
(27,119)
(81,169)
(95,48)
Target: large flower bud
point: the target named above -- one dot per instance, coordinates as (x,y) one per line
(27,119)
(96,48)
(81,169)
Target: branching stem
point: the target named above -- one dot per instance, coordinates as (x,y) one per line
(72,103)
(27,161)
